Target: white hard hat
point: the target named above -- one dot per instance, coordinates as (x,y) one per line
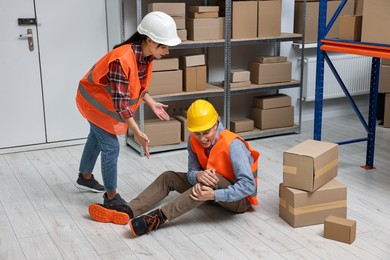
(160,27)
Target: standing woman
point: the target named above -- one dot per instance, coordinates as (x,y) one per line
(110,93)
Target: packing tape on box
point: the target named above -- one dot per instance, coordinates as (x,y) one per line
(282,202)
(289,169)
(317,207)
(326,168)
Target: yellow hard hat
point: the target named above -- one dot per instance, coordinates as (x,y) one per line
(201,116)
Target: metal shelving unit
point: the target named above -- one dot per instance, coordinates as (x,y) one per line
(217,90)
(376,51)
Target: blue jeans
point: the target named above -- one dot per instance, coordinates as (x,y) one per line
(101,141)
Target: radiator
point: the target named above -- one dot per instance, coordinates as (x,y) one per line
(354,70)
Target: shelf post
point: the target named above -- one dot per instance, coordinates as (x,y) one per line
(227,63)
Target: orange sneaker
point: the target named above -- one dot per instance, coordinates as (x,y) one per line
(117,214)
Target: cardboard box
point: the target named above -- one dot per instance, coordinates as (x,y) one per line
(165,64)
(359,7)
(269,22)
(194,78)
(244,19)
(239,75)
(385,61)
(272,101)
(310,164)
(184,133)
(182,33)
(350,27)
(270,59)
(311,25)
(172,9)
(265,73)
(180,22)
(192,60)
(242,84)
(384,79)
(340,229)
(166,82)
(273,118)
(241,125)
(301,208)
(203,8)
(205,29)
(386,115)
(162,132)
(202,15)
(376,21)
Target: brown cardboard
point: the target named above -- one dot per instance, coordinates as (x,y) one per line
(182,33)
(311,25)
(172,9)
(310,164)
(269,22)
(385,62)
(162,132)
(239,75)
(203,8)
(270,59)
(273,118)
(384,79)
(205,29)
(166,82)
(194,78)
(192,60)
(244,19)
(180,22)
(183,126)
(386,117)
(376,21)
(241,125)
(301,208)
(165,64)
(350,27)
(359,7)
(234,85)
(272,101)
(202,15)
(270,72)
(340,229)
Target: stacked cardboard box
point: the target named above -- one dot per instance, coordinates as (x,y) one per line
(269,22)
(309,192)
(272,111)
(350,27)
(203,23)
(166,77)
(241,125)
(384,89)
(376,21)
(239,78)
(178,13)
(194,72)
(244,19)
(267,70)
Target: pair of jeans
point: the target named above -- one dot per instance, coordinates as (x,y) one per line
(177,181)
(101,142)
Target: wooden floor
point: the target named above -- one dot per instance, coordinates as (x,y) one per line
(44,216)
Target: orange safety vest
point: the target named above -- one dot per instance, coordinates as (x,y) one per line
(94,99)
(219,158)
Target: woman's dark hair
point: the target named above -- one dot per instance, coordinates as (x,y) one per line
(136,37)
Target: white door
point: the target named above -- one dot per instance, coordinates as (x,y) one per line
(38,87)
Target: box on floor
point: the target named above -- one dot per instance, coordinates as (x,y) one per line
(340,229)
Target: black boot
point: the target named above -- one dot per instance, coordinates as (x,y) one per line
(146,223)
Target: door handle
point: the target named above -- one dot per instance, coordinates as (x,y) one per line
(29,37)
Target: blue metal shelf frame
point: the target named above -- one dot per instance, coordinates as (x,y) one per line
(322,56)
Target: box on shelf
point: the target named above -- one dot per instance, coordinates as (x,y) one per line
(340,229)
(166,82)
(311,25)
(180,22)
(272,101)
(183,126)
(172,9)
(162,132)
(239,75)
(192,60)
(385,61)
(350,27)
(270,59)
(182,33)
(273,118)
(241,84)
(165,64)
(359,7)
(205,29)
(310,164)
(203,8)
(269,22)
(376,21)
(301,208)
(244,19)
(384,79)
(386,116)
(241,125)
(266,73)
(202,15)
(194,78)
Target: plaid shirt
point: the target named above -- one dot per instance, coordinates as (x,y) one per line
(119,82)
